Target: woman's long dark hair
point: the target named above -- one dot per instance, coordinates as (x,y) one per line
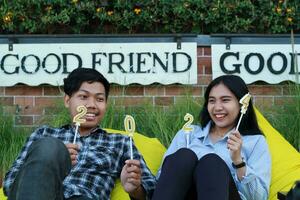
(238,87)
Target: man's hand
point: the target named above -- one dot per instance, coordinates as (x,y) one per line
(73,151)
(131,179)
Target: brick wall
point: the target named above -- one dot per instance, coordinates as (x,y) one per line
(30,103)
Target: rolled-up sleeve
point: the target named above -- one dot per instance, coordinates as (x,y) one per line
(255,184)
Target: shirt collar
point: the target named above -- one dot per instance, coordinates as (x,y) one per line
(95,130)
(203,132)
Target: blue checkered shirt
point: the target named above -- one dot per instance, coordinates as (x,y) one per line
(100,161)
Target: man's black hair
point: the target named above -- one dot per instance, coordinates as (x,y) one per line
(79,75)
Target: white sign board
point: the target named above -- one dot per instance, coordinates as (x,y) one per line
(121,63)
(257,62)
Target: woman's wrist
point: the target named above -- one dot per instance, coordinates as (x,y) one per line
(238,166)
(238,163)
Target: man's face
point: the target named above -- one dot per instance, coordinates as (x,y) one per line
(92,96)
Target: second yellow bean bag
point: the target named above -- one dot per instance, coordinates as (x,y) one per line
(285,159)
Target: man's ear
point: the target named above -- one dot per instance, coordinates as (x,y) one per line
(67,100)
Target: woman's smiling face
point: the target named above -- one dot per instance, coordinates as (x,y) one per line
(223,107)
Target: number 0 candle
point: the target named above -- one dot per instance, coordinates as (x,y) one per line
(129,125)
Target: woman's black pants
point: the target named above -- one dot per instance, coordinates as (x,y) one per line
(184,177)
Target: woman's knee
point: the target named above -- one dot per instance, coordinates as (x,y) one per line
(211,158)
(212,163)
(186,153)
(183,158)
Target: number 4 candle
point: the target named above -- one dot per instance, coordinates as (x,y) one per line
(245,103)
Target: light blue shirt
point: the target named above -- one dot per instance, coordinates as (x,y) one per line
(255,184)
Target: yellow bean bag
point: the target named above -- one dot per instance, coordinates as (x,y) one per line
(2,197)
(285,159)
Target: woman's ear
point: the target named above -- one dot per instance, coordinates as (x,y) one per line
(67,101)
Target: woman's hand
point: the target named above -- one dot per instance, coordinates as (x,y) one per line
(234,144)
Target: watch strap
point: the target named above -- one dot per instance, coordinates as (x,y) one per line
(240,165)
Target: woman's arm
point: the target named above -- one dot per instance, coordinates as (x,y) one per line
(256,182)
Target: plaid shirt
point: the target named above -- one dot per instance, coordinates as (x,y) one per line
(100,161)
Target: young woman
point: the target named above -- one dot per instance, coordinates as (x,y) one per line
(220,163)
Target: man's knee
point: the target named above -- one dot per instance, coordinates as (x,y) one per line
(49,149)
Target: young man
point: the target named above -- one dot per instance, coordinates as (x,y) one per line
(50,166)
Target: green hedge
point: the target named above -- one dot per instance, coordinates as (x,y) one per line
(149,16)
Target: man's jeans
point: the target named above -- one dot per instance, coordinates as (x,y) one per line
(41,176)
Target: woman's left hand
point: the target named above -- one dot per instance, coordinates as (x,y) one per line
(234,144)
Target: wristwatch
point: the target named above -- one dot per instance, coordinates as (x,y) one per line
(240,165)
